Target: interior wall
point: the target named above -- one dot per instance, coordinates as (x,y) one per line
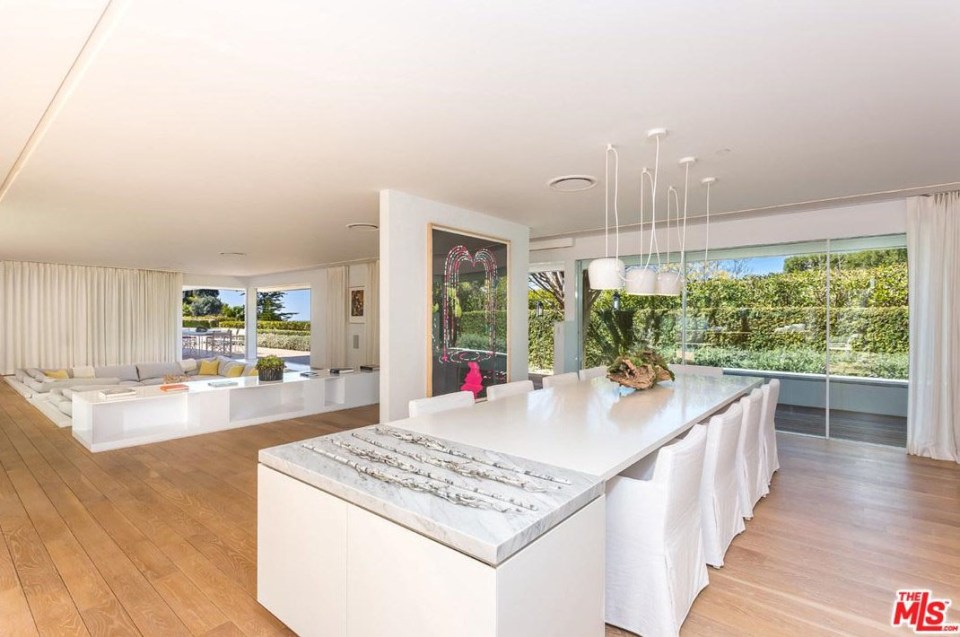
(404,290)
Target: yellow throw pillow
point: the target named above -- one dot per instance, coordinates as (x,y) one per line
(209,368)
(234,371)
(253,372)
(58,374)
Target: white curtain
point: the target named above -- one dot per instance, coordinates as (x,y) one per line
(336,317)
(933,248)
(54,316)
(372,311)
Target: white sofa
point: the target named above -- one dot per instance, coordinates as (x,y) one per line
(36,386)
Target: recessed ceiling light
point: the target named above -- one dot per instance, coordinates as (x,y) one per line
(572,183)
(233,254)
(362,227)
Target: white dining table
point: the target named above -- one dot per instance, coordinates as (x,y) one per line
(593,426)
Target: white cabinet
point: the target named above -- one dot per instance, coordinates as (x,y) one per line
(328,568)
(150,415)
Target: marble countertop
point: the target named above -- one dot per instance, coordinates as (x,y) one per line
(485,504)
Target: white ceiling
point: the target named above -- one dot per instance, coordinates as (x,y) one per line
(202,127)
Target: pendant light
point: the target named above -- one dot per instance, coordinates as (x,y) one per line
(671,283)
(608,273)
(642,281)
(707,181)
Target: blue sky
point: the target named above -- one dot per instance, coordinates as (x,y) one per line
(296,301)
(765,265)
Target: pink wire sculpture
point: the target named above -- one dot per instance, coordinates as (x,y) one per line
(451,280)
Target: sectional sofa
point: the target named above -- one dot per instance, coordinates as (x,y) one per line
(53,393)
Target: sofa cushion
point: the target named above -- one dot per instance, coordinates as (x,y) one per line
(188,365)
(250,370)
(209,368)
(158,370)
(227,365)
(123,372)
(56,374)
(35,374)
(233,371)
(84,371)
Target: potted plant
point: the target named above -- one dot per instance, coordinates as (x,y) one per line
(639,370)
(270,368)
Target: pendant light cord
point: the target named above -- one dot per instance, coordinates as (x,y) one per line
(616,197)
(653,206)
(606,203)
(706,247)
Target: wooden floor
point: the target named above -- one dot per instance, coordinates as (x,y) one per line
(161,539)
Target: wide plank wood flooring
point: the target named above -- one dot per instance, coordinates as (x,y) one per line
(161,539)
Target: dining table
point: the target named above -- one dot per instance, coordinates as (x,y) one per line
(595,427)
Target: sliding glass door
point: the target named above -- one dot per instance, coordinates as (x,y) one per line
(869,339)
(828,319)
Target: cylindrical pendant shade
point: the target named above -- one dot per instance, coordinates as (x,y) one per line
(642,281)
(669,284)
(606,273)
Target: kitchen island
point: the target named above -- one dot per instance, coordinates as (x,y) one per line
(481,521)
(377,531)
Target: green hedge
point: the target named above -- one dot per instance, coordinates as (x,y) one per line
(200,322)
(283,341)
(806,361)
(776,321)
(288,326)
(541,338)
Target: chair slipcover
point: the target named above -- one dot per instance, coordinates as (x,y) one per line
(655,563)
(560,379)
(495,392)
(752,486)
(719,492)
(455,400)
(593,372)
(769,462)
(700,370)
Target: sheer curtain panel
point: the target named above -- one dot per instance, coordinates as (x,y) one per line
(373,314)
(933,253)
(336,317)
(54,316)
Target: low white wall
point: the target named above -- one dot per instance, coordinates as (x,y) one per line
(404,288)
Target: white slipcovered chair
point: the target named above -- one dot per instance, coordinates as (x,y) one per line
(719,489)
(655,563)
(434,404)
(699,370)
(593,372)
(557,380)
(769,461)
(496,392)
(751,485)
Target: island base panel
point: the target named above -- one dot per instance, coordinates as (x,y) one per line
(327,567)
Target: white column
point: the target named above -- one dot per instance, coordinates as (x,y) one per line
(250,320)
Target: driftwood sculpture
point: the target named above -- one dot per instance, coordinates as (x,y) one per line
(641,370)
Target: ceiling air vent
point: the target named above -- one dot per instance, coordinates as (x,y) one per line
(572,183)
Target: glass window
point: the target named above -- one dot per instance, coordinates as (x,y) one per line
(829,319)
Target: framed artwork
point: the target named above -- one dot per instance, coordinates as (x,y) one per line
(357,308)
(468,311)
